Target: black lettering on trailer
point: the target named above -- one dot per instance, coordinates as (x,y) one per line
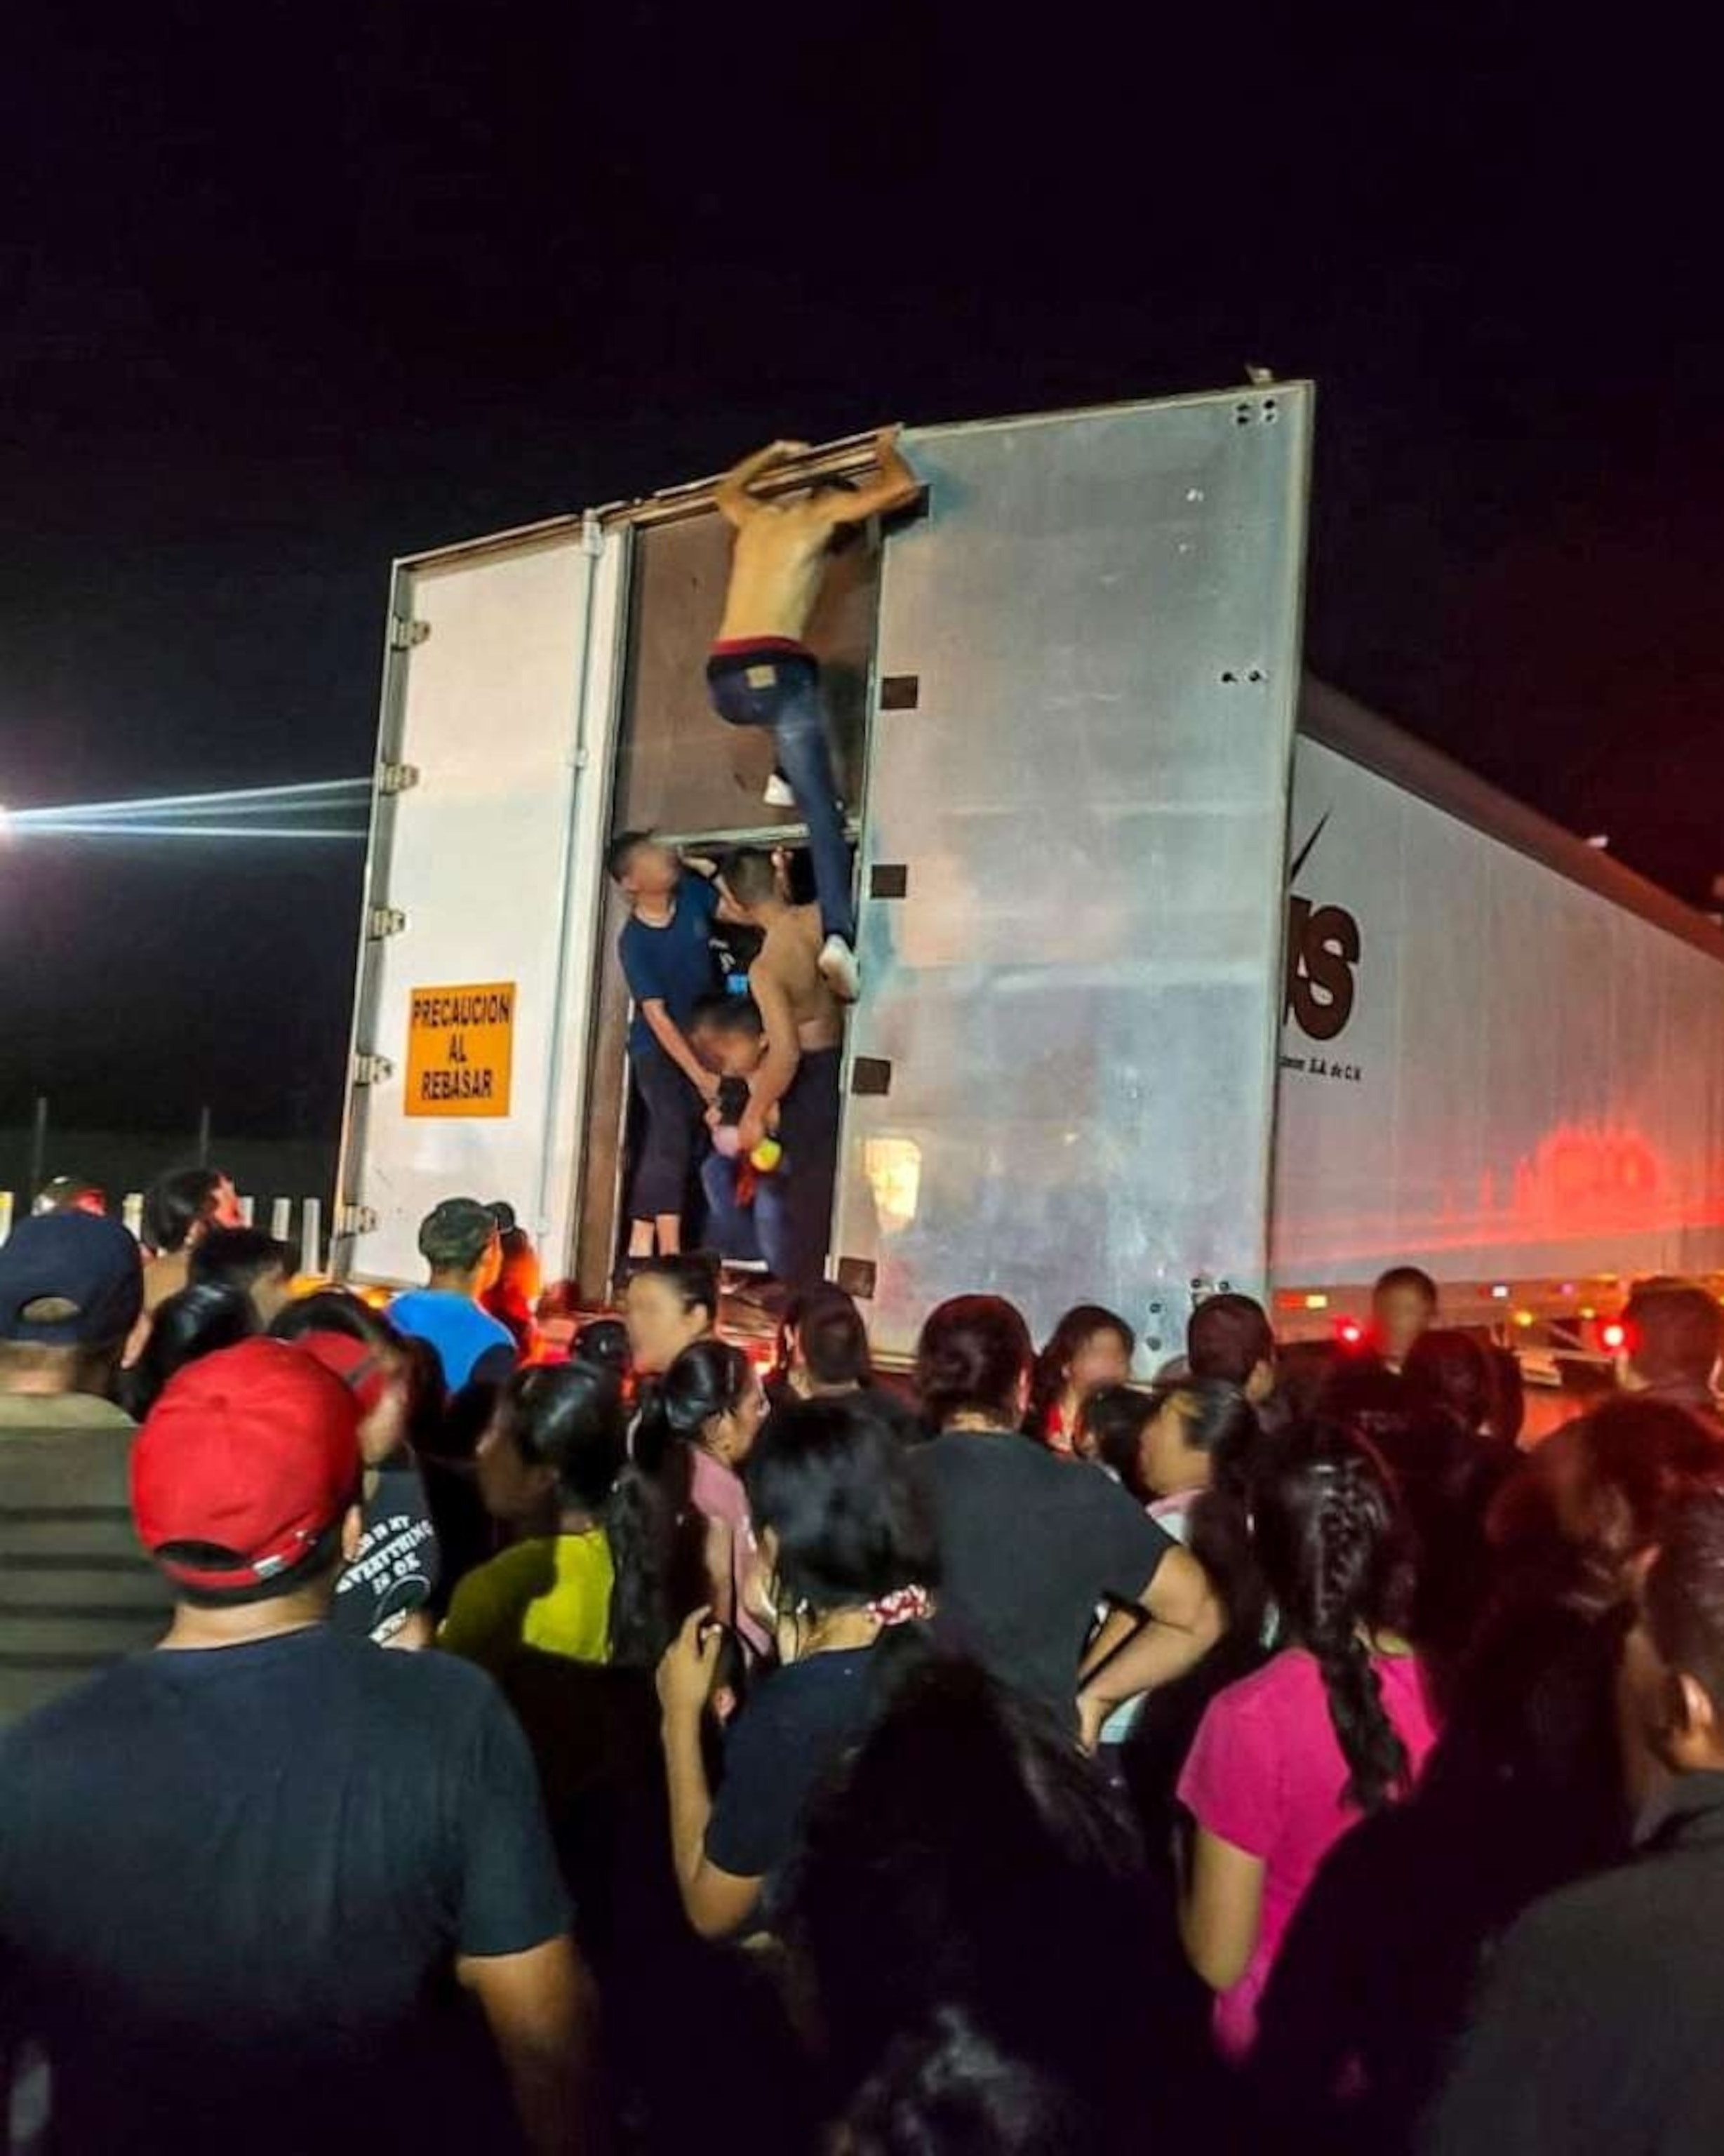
(465,1084)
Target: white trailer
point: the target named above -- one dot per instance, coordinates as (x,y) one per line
(1177,971)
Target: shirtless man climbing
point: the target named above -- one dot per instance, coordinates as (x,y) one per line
(763,674)
(798,1075)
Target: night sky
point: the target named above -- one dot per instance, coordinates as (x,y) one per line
(285,294)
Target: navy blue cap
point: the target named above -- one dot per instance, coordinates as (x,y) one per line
(69,1279)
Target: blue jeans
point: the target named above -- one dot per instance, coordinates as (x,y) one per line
(792,1221)
(781,688)
(743,1232)
(730,1228)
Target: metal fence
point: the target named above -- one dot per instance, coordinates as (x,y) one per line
(285,1215)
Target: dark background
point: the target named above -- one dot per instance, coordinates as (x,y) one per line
(287,292)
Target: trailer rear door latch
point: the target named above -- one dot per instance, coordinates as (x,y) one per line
(398,778)
(373,1069)
(355,1220)
(889,880)
(404,632)
(870,1077)
(384,921)
(900,692)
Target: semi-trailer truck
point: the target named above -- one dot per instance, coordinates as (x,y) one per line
(1178,968)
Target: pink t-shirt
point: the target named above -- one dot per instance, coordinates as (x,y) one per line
(716,1493)
(1266,1774)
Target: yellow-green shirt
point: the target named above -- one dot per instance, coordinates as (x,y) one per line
(553,1592)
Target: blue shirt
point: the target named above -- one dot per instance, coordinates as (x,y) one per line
(673,965)
(456,1327)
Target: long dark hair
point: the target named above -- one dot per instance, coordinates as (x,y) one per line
(570,1418)
(1218,1525)
(1116,1418)
(829,1331)
(334,1310)
(706,1381)
(176,1203)
(974,1353)
(1328,1537)
(831,1480)
(1053,1365)
(1215,1413)
(965,1847)
(196,1321)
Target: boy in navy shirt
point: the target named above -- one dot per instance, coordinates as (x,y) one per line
(668,961)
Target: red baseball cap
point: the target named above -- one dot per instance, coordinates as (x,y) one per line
(252,1452)
(367,1372)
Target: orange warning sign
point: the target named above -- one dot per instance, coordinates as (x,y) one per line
(460,1046)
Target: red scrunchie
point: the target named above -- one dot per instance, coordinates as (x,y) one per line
(904,1605)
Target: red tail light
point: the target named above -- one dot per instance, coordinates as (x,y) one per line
(1612,1335)
(1350,1332)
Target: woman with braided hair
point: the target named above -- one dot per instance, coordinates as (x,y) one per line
(1335,1726)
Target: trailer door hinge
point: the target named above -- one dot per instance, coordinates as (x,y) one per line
(355,1220)
(371,1070)
(404,632)
(396,777)
(384,921)
(591,534)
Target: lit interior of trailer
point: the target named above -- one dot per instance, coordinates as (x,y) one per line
(682,772)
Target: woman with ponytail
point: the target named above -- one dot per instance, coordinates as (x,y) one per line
(848,1549)
(1336,1725)
(584,1577)
(696,1430)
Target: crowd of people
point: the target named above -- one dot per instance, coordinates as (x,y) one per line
(408,1727)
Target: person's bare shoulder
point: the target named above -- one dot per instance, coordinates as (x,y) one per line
(767,971)
(787,958)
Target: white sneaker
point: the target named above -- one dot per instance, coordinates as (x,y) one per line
(778,794)
(838,969)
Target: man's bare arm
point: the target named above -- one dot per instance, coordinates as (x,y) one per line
(543,2013)
(777,1074)
(894,487)
(734,501)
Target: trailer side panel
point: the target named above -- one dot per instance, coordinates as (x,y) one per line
(1488,1068)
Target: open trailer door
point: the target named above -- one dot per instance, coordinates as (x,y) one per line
(1062,1069)
(477,958)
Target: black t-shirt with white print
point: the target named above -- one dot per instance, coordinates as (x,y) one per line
(395,1569)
